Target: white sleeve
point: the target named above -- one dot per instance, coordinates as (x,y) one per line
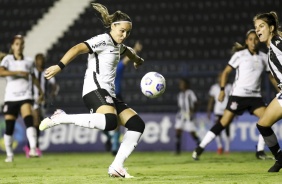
(193,97)
(5,62)
(211,91)
(235,60)
(96,44)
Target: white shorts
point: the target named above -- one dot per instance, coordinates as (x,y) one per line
(186,125)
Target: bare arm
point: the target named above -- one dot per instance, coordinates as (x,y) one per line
(273,82)
(4,72)
(210,106)
(137,48)
(131,54)
(224,78)
(71,54)
(36,83)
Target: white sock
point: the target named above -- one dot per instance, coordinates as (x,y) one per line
(226,141)
(130,141)
(218,142)
(207,139)
(261,143)
(95,120)
(8,140)
(31,136)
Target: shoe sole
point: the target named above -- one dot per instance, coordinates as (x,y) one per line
(44,124)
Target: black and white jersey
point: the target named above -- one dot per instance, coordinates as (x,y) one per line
(42,81)
(186,101)
(275,59)
(18,88)
(249,70)
(102,62)
(214,91)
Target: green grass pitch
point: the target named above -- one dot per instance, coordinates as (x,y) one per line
(147,167)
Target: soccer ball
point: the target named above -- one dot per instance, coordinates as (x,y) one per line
(152,84)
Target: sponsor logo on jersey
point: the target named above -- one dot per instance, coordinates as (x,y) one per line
(102,43)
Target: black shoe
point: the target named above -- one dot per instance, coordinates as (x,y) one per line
(262,156)
(275,168)
(197,152)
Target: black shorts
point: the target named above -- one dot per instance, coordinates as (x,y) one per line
(14,108)
(238,105)
(99,97)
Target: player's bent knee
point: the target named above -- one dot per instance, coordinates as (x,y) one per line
(28,121)
(135,123)
(265,131)
(111,122)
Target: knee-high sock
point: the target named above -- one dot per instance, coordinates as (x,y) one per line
(261,143)
(270,139)
(218,141)
(31,136)
(8,140)
(226,140)
(95,120)
(130,141)
(207,139)
(178,143)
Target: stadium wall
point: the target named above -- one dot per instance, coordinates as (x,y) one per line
(158,136)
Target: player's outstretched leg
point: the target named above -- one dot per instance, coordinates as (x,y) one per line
(52,121)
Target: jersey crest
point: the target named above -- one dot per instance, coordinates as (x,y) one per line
(109,99)
(234,106)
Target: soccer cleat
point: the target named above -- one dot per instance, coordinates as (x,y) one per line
(219,151)
(49,122)
(262,156)
(39,152)
(33,153)
(118,172)
(275,168)
(26,150)
(197,152)
(9,159)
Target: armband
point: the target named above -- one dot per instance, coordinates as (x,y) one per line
(222,88)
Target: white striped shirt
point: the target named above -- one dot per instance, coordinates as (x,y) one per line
(275,58)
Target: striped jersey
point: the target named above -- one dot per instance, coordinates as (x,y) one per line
(43,83)
(102,62)
(275,59)
(249,70)
(186,101)
(18,88)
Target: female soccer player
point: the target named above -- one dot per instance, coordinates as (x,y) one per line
(187,105)
(218,110)
(249,63)
(18,71)
(267,29)
(50,89)
(99,90)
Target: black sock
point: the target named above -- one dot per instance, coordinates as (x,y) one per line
(270,139)
(217,128)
